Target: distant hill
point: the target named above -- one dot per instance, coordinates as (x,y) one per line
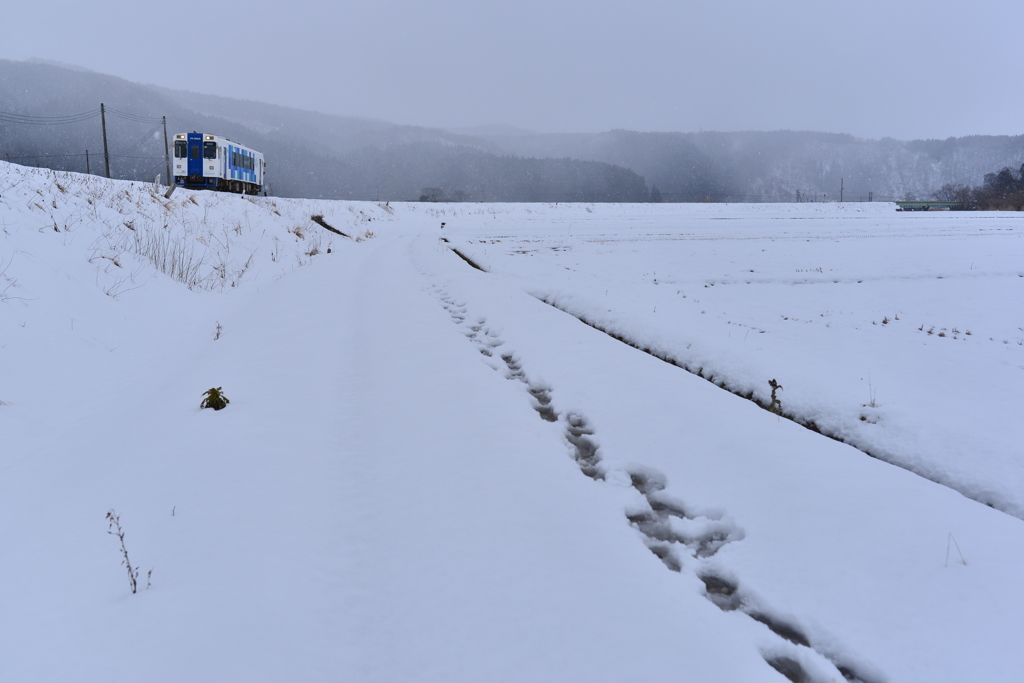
(325,156)
(775,166)
(308,154)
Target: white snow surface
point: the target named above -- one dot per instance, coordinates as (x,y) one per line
(381,500)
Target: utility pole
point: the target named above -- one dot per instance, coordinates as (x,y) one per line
(87,171)
(841,182)
(106,152)
(167,153)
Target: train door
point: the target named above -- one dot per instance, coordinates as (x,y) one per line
(195,154)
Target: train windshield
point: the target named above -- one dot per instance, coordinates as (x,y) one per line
(180,149)
(210,150)
(193,152)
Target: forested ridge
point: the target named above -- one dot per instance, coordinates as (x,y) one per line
(316,155)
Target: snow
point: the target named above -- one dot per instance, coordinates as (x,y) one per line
(382,501)
(902,334)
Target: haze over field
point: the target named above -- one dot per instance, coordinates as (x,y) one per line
(906,70)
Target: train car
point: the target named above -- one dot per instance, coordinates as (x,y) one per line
(210,162)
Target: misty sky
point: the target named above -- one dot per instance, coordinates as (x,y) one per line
(905,69)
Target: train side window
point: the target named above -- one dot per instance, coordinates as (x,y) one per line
(180,149)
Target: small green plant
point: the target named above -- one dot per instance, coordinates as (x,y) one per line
(776,406)
(214,398)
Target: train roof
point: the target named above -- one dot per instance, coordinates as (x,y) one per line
(217,138)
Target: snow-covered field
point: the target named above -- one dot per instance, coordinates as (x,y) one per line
(428,472)
(902,334)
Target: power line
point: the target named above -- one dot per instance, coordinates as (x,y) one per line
(70,156)
(129,153)
(9,117)
(134,117)
(48,156)
(154,167)
(145,138)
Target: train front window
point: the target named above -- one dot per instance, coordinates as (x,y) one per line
(210,150)
(193,152)
(180,149)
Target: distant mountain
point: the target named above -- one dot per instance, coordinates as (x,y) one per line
(781,165)
(669,161)
(325,156)
(492,129)
(308,154)
(62,65)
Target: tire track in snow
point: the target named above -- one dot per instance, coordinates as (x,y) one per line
(682,537)
(797,419)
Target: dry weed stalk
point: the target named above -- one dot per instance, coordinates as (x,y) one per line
(114,529)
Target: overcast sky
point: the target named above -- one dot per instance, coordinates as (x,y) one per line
(905,69)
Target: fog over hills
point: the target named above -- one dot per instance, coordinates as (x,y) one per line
(326,156)
(781,165)
(308,154)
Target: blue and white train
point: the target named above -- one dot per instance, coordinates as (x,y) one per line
(214,163)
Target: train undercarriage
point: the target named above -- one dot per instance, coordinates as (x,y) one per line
(218,185)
